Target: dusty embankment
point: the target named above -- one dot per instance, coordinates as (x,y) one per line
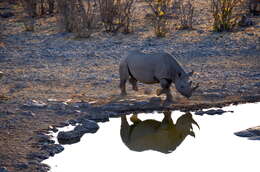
(75,78)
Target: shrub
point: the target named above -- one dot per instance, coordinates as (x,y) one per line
(161,13)
(116,14)
(184,11)
(76,17)
(51,6)
(38,7)
(223,14)
(254,6)
(30,10)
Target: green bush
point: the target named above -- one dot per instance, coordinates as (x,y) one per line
(223,14)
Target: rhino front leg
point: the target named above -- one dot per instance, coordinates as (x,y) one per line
(165,89)
(133,81)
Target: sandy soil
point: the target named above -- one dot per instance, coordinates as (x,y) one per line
(53,68)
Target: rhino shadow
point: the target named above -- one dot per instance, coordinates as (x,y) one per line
(164,136)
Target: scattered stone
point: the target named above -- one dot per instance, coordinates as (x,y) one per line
(245,21)
(212,112)
(21,166)
(37,156)
(5,113)
(87,126)
(34,104)
(53,129)
(254,138)
(155,100)
(53,149)
(257,84)
(28,113)
(69,137)
(63,124)
(52,100)
(42,138)
(74,136)
(200,31)
(6,14)
(72,122)
(114,114)
(3,169)
(83,105)
(244,133)
(251,133)
(254,98)
(148,91)
(97,115)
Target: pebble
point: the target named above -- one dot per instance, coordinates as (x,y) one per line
(3,169)
(28,113)
(212,112)
(21,166)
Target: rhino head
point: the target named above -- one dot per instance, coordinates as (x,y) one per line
(183,85)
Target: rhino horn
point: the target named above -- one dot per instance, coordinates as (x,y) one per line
(194,88)
(194,122)
(190,73)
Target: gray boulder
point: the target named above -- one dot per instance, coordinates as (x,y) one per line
(74,136)
(251,133)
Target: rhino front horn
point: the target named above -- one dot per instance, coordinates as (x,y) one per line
(194,122)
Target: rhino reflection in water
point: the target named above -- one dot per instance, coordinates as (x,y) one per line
(162,136)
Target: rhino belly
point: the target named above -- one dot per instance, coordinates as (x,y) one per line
(143,74)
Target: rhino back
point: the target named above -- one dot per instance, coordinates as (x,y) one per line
(150,68)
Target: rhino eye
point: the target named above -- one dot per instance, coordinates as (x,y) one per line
(179,74)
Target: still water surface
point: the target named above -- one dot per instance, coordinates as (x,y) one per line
(215,148)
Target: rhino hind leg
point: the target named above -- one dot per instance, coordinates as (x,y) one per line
(165,89)
(133,81)
(124,76)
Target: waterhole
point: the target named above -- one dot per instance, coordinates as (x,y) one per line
(170,141)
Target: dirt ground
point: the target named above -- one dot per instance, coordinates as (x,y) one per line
(57,70)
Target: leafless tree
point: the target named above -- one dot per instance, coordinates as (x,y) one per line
(77,17)
(116,14)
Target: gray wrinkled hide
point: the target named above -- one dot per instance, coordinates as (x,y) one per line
(154,68)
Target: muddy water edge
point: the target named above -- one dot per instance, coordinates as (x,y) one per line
(184,141)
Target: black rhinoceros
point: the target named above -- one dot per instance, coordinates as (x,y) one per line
(155,68)
(164,136)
